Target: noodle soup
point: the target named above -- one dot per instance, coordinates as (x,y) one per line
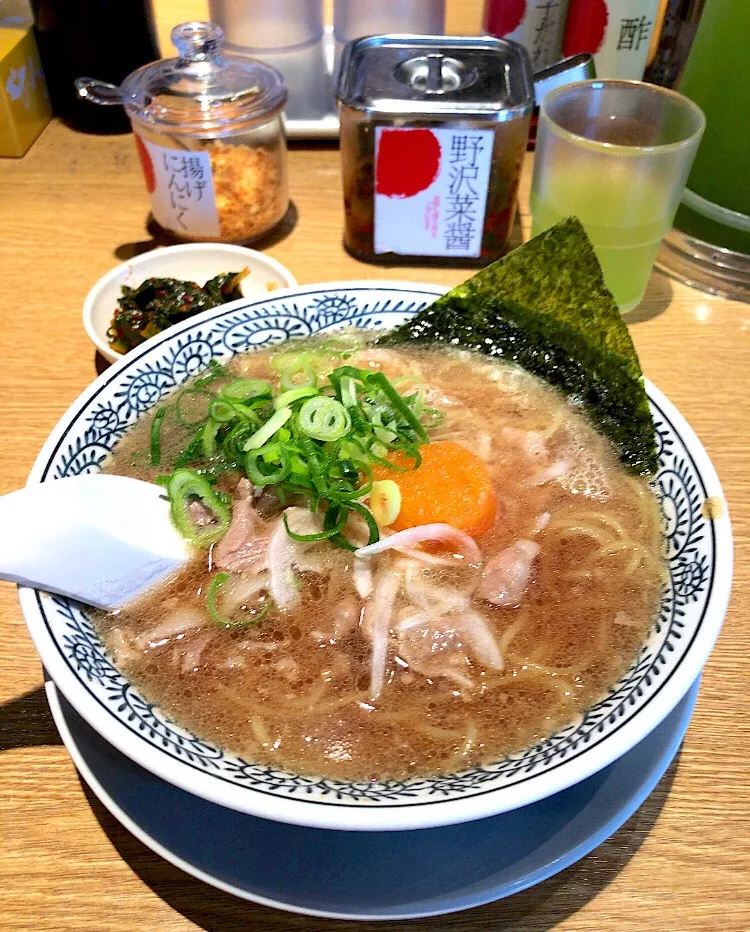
(418,655)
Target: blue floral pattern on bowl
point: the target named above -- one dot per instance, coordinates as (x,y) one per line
(147,374)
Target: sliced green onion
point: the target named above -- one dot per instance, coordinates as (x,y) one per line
(431,418)
(192,451)
(264,433)
(222,411)
(324,418)
(385,501)
(232,443)
(386,436)
(416,402)
(189,393)
(313,456)
(348,391)
(413,453)
(245,413)
(298,375)
(260,477)
(347,469)
(353,373)
(219,580)
(372,524)
(186,486)
(213,590)
(359,421)
(300,467)
(397,402)
(287,399)
(321,535)
(156,436)
(330,519)
(256,617)
(208,438)
(243,389)
(317,444)
(214,371)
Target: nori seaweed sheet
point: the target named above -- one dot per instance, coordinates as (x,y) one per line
(545,306)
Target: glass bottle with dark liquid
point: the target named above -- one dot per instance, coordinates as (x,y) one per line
(106,38)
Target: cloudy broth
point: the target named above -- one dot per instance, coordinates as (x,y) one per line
(294,691)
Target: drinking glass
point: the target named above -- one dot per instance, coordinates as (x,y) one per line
(615,154)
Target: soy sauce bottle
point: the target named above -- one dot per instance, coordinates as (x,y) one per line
(106,38)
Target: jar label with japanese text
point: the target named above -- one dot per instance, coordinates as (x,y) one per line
(181,187)
(538,25)
(617,32)
(431,190)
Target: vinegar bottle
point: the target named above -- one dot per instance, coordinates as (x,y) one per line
(618,33)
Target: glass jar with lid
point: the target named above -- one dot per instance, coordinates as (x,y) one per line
(210,137)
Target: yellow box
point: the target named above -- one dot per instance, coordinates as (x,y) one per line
(24,100)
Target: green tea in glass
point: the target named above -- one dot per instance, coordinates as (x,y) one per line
(615,154)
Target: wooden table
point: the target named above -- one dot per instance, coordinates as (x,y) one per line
(69,211)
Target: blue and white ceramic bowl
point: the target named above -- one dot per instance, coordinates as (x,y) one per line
(692,610)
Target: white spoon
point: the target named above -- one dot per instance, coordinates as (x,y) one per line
(97,538)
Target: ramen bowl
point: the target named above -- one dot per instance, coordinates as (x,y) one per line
(698,546)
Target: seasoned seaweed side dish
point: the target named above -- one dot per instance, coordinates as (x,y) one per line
(545,306)
(159,303)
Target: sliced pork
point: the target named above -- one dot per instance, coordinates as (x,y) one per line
(446,646)
(507,575)
(244,547)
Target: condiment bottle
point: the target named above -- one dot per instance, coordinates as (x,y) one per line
(618,33)
(108,38)
(210,136)
(289,35)
(538,25)
(433,135)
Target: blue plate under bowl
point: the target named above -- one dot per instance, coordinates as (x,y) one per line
(370,875)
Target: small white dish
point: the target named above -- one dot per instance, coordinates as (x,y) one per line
(370,875)
(195,262)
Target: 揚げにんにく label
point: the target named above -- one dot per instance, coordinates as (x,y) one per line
(181,186)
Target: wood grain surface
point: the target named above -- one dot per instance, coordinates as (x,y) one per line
(69,211)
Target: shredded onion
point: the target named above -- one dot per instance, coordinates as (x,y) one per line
(191,659)
(379,613)
(280,554)
(240,590)
(362,577)
(178,622)
(417,535)
(474,627)
(426,615)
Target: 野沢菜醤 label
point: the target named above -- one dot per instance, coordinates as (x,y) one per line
(181,186)
(431,190)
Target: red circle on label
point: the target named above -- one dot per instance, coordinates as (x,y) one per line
(585,27)
(146,164)
(503,16)
(408,161)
